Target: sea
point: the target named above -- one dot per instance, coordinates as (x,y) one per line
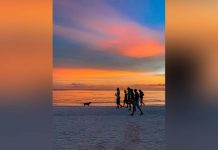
(101,97)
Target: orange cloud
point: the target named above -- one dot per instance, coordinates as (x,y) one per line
(103,77)
(144,49)
(130,39)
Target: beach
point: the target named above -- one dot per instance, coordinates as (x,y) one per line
(108,128)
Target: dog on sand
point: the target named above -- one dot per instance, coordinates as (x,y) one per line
(87,104)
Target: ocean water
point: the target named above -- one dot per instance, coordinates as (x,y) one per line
(100,97)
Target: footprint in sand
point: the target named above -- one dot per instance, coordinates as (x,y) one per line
(131,139)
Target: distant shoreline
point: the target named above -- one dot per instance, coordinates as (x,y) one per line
(147,106)
(102,89)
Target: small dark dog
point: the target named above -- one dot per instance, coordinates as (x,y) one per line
(87,103)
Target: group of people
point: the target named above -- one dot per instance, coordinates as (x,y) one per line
(132,99)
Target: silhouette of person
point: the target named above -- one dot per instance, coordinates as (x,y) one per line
(129,98)
(136,103)
(132,96)
(117,94)
(125,99)
(141,95)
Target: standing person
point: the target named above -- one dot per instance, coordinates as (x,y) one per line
(117,94)
(129,98)
(141,95)
(136,103)
(125,99)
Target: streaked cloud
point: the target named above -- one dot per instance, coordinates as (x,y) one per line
(124,38)
(81,58)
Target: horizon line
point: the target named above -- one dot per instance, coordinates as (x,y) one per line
(107,89)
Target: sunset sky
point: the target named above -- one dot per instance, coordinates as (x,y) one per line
(108,43)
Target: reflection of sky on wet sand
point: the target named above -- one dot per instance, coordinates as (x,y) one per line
(100,98)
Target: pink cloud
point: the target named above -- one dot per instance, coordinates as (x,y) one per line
(101,27)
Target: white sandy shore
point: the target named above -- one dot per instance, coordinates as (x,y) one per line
(105,128)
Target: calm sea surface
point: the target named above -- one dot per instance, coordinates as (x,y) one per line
(100,98)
